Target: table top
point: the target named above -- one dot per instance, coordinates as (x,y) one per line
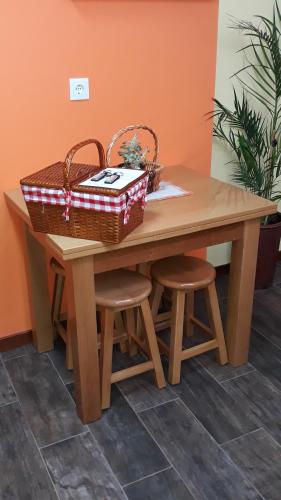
(212,204)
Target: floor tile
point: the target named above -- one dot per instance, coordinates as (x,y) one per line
(142,393)
(222,281)
(222,372)
(23,472)
(18,351)
(58,356)
(207,471)
(126,444)
(70,388)
(266,358)
(7,393)
(200,307)
(166,485)
(121,360)
(198,337)
(259,457)
(47,406)
(260,399)
(267,314)
(80,471)
(219,412)
(277,274)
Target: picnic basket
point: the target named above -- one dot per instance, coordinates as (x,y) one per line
(152,167)
(59,204)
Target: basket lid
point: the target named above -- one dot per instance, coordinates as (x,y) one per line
(53,176)
(127,178)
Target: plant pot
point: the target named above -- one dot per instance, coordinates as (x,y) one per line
(268,251)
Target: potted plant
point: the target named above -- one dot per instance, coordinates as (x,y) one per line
(132,153)
(252,129)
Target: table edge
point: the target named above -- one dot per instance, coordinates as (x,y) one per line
(75,253)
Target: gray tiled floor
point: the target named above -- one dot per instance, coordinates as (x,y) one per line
(216,436)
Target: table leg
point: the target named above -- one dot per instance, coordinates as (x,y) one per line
(142,268)
(42,328)
(241,292)
(81,310)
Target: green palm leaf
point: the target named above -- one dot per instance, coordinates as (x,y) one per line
(255,136)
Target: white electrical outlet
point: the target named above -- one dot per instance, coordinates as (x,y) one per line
(78,89)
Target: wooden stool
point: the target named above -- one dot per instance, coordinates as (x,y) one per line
(184,275)
(120,335)
(118,291)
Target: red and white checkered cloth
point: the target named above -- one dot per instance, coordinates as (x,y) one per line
(89,201)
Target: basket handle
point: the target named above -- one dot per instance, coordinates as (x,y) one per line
(127,129)
(71,153)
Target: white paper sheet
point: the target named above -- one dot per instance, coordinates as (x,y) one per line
(127,176)
(167,190)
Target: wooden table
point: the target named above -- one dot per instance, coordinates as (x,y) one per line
(215,213)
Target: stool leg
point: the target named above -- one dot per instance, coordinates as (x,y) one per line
(155,298)
(189,312)
(56,312)
(175,357)
(57,299)
(102,318)
(106,358)
(119,324)
(216,323)
(140,333)
(143,268)
(69,351)
(131,326)
(152,344)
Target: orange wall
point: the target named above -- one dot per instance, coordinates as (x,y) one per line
(148,61)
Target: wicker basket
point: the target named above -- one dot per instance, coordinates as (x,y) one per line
(152,167)
(58,204)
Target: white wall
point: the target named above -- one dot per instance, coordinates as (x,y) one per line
(228,61)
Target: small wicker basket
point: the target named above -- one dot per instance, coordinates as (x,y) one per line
(58,204)
(152,167)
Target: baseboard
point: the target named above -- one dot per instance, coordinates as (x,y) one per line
(16,340)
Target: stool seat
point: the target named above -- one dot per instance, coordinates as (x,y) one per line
(121,289)
(183,273)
